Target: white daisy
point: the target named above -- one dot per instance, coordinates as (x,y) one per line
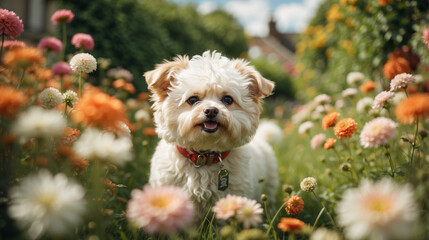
(349,92)
(95,144)
(70,97)
(83,63)
(364,105)
(322,99)
(51,97)
(378,210)
(305,127)
(250,213)
(354,78)
(43,203)
(308,184)
(39,122)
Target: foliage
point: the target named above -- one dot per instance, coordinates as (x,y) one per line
(139,34)
(357,35)
(273,71)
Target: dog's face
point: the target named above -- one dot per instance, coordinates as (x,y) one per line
(207,103)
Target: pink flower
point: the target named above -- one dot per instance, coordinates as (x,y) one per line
(381,99)
(61,68)
(10,24)
(228,206)
(401,80)
(377,132)
(13,43)
(425,37)
(50,43)
(62,15)
(83,40)
(164,209)
(317,141)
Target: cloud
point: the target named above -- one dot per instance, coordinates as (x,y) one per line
(294,17)
(206,7)
(252,14)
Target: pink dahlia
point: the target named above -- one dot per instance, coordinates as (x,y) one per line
(425,37)
(10,24)
(83,40)
(62,15)
(381,99)
(13,44)
(50,43)
(164,209)
(377,132)
(228,206)
(61,68)
(401,80)
(317,141)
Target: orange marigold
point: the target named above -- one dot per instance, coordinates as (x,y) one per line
(70,135)
(384,2)
(150,131)
(98,109)
(395,65)
(23,57)
(329,120)
(11,100)
(345,128)
(413,108)
(367,86)
(294,205)
(287,224)
(65,152)
(329,143)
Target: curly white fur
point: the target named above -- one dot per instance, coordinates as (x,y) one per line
(210,77)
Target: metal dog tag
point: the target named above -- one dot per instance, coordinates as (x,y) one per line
(223,179)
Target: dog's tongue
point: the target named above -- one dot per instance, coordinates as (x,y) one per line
(210,125)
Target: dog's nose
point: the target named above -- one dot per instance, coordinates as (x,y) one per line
(211,112)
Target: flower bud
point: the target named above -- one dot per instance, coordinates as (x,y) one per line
(264,198)
(287,188)
(345,167)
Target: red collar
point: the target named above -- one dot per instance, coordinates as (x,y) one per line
(200,159)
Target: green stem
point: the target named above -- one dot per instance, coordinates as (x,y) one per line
(61,84)
(275,216)
(327,212)
(414,143)
(80,84)
(2,41)
(269,218)
(317,219)
(20,79)
(62,56)
(390,162)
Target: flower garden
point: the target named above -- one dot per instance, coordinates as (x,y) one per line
(353,152)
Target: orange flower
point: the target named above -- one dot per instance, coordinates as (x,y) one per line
(329,143)
(287,224)
(11,100)
(23,57)
(395,65)
(294,205)
(143,96)
(111,186)
(67,153)
(98,109)
(413,108)
(119,83)
(384,2)
(345,128)
(329,120)
(367,86)
(149,131)
(70,135)
(129,87)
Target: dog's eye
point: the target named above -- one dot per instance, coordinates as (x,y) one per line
(192,100)
(227,100)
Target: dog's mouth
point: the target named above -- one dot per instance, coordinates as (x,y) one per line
(209,126)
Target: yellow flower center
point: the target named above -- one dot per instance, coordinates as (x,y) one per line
(247,211)
(379,205)
(160,202)
(47,200)
(376,129)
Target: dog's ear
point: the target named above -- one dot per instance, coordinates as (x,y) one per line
(259,87)
(159,79)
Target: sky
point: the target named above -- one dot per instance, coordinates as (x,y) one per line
(290,15)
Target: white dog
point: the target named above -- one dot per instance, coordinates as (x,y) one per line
(207,111)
